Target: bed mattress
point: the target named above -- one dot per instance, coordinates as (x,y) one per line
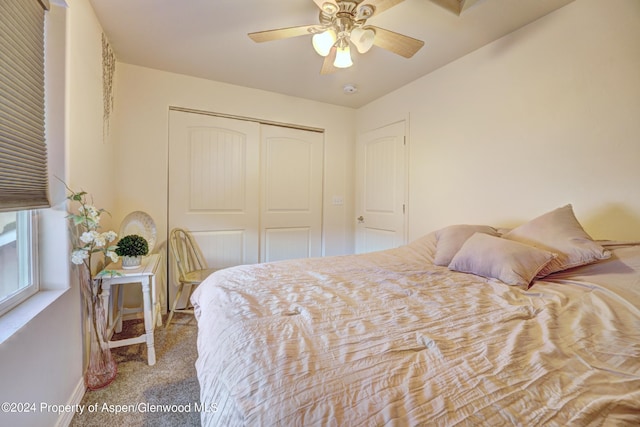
(389,338)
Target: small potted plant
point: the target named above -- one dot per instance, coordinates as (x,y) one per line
(132,248)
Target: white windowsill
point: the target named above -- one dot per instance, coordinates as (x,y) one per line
(17,318)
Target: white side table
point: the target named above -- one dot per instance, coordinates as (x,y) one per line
(146,276)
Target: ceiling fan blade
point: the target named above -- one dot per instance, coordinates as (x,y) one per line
(382,5)
(281,33)
(327,65)
(397,43)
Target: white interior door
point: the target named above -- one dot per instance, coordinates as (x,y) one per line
(291,187)
(214,186)
(381,188)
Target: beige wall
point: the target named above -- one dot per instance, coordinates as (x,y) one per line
(90,155)
(42,362)
(140,131)
(545,116)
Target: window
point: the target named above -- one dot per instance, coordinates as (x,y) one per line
(18,279)
(23,154)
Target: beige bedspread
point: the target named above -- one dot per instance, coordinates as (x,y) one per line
(390,339)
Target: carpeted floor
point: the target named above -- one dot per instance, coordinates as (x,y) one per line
(141,388)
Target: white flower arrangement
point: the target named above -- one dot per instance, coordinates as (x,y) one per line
(87,242)
(90,241)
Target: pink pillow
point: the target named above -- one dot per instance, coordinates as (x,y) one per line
(559,232)
(450,239)
(511,262)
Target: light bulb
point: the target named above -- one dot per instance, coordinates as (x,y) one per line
(343,57)
(323,42)
(362,38)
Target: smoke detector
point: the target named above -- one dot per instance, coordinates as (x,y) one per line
(349,89)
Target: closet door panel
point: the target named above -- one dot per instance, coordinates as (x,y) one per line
(214,186)
(291,217)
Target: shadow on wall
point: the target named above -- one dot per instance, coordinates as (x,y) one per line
(615,222)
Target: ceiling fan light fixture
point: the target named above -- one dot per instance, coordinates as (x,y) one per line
(329,8)
(362,38)
(366,11)
(344,22)
(343,57)
(323,42)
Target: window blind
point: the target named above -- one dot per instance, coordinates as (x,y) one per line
(23,152)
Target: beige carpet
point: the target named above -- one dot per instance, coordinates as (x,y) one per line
(171,382)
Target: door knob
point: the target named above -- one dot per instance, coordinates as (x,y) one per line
(360,219)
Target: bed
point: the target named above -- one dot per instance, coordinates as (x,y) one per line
(447,330)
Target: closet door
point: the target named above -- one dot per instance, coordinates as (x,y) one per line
(291,188)
(214,185)
(248,192)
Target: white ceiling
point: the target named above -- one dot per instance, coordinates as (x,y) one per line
(208,39)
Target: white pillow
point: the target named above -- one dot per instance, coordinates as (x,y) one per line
(450,239)
(511,262)
(559,232)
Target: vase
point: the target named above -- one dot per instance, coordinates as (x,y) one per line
(129,262)
(101,367)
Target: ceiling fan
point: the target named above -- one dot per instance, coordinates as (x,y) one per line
(343,23)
